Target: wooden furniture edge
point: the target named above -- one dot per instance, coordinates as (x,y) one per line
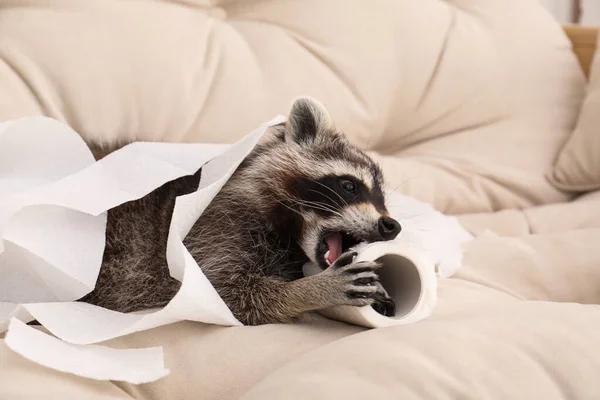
(584,40)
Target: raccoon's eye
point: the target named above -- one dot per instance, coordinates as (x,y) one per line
(348,186)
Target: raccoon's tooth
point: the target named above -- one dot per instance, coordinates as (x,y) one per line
(326,257)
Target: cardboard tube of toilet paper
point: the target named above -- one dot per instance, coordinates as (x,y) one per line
(407,274)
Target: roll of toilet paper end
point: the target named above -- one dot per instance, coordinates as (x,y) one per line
(408,275)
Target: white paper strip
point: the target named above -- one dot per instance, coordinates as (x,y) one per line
(52,225)
(96,362)
(10,310)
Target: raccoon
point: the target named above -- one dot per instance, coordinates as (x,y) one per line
(303,194)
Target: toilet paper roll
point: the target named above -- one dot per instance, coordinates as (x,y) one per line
(408,275)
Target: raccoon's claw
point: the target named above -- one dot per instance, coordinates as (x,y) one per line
(385,306)
(344,259)
(365,281)
(351,283)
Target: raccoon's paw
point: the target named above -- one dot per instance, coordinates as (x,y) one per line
(384,304)
(353,283)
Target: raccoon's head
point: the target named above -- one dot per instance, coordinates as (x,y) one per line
(319,189)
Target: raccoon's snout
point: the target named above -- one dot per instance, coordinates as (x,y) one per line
(388,228)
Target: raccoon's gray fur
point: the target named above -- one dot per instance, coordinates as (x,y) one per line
(303,191)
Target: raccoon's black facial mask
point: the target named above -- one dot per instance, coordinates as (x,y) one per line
(330,189)
(347,212)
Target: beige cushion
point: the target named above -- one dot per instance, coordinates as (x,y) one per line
(515,353)
(489,337)
(595,195)
(462,100)
(506,326)
(465,105)
(578,165)
(582,213)
(207,361)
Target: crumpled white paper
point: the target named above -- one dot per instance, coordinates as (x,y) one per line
(53,203)
(441,236)
(98,361)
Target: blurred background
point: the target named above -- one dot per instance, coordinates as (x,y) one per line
(584,12)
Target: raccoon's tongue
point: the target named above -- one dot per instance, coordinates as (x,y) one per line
(334,245)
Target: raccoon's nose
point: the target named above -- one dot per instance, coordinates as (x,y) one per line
(389,228)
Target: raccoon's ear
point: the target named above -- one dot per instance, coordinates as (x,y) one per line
(308,119)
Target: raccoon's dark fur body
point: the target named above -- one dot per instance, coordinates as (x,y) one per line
(304,194)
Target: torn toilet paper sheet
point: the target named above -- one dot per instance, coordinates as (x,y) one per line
(53,203)
(133,365)
(441,236)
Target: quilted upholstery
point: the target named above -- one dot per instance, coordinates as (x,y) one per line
(466,105)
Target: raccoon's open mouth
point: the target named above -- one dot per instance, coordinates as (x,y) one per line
(333,245)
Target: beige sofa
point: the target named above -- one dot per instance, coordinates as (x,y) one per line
(479,108)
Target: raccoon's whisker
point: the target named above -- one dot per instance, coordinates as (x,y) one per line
(320,206)
(316,207)
(332,200)
(310,204)
(288,207)
(368,143)
(331,190)
(404,182)
(415,215)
